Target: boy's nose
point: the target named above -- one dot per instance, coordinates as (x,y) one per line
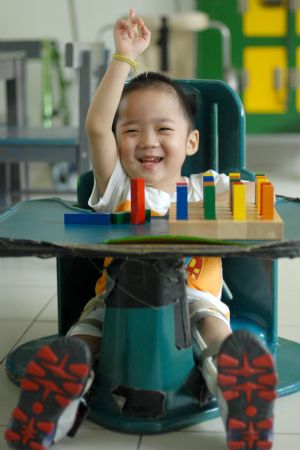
(148,140)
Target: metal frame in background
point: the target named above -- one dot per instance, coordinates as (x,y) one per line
(20,143)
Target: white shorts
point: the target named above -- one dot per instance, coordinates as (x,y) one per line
(200,304)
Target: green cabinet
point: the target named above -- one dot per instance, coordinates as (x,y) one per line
(265,53)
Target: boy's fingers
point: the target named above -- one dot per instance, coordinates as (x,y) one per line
(131,14)
(122,23)
(132,24)
(145,31)
(125,26)
(137,20)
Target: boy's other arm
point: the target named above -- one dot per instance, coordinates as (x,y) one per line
(102,143)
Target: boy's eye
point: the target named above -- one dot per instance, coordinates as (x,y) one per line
(165,129)
(131,130)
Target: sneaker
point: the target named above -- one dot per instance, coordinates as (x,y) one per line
(52,389)
(247,381)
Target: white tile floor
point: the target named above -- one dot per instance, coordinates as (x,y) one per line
(28,311)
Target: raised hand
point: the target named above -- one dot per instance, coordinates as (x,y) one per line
(131,36)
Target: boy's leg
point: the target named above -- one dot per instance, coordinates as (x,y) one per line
(94,344)
(90,325)
(209,326)
(51,397)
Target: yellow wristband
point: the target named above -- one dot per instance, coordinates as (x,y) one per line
(129,61)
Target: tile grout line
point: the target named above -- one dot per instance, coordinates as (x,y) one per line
(139,442)
(28,328)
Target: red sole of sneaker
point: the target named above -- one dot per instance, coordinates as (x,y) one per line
(55,376)
(247,379)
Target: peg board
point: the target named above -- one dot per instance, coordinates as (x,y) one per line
(224,227)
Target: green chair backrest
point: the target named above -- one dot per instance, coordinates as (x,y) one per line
(220,119)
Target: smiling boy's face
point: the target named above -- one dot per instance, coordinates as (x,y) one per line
(154,137)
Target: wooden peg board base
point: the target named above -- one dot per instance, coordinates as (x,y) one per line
(224,227)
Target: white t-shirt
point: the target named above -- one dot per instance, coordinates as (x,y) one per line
(118,192)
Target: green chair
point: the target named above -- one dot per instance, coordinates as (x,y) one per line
(251,281)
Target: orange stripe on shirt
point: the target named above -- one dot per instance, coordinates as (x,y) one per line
(126,206)
(205,274)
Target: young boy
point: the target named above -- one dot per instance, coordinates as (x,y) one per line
(145,130)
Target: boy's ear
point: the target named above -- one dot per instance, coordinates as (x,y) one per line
(193,142)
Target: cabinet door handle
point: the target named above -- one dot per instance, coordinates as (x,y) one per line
(243,6)
(294,78)
(294,5)
(278,78)
(244,80)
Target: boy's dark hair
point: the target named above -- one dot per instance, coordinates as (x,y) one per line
(154,79)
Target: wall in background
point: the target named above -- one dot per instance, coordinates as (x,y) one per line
(40,19)
(37,19)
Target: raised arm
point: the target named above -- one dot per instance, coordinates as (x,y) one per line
(131,38)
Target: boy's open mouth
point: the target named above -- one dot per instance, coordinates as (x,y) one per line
(150,160)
